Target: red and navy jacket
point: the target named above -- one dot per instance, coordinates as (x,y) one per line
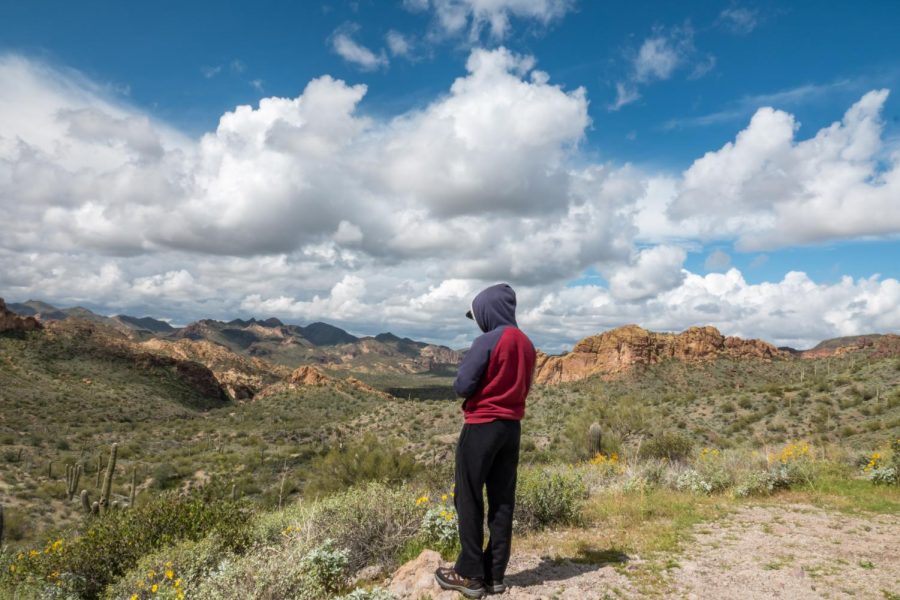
(496,373)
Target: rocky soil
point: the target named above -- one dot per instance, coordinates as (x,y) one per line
(762,552)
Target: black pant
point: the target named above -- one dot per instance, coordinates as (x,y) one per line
(487,454)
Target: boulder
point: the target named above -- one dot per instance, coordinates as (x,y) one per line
(415,579)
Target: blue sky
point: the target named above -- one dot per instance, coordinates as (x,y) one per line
(663,84)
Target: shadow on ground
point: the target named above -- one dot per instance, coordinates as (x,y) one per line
(550,569)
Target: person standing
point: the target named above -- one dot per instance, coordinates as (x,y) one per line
(494,377)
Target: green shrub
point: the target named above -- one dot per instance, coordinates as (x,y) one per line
(885,476)
(165,476)
(439,528)
(373,522)
(667,445)
(359,462)
(780,476)
(545,497)
(324,569)
(376,593)
(114,543)
(186,564)
(705,480)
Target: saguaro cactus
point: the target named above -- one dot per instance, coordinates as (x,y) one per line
(73,476)
(594,439)
(133,493)
(1,525)
(281,489)
(86,501)
(107,480)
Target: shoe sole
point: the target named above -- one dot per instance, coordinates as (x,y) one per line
(458,588)
(496,589)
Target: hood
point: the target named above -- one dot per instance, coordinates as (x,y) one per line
(494,307)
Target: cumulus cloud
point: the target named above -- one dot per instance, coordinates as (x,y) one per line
(307,209)
(653,271)
(770,190)
(346,47)
(795,311)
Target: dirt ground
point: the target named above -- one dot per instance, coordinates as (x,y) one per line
(758,552)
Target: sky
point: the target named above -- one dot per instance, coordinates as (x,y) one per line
(374,164)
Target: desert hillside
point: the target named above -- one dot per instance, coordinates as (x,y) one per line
(214,426)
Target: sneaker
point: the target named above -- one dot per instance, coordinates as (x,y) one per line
(494,587)
(449,579)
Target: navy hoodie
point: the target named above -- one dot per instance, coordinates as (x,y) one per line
(496,373)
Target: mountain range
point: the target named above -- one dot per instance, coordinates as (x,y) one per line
(248,356)
(318,343)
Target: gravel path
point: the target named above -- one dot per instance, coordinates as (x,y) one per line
(792,551)
(760,552)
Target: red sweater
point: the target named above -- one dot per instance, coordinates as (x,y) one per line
(506,380)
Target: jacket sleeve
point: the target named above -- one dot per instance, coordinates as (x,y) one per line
(472,367)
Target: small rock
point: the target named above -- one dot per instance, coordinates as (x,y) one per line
(416,578)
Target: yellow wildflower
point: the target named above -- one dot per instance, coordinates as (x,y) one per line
(444,498)
(170,574)
(134,597)
(154,588)
(178,582)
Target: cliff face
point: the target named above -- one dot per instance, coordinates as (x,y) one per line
(617,350)
(10,321)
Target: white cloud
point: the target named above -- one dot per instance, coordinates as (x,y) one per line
(739,19)
(210,72)
(795,311)
(657,59)
(653,271)
(770,190)
(305,208)
(717,260)
(454,17)
(398,44)
(346,47)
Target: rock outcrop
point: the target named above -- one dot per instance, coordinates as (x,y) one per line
(193,374)
(618,350)
(242,377)
(10,321)
(415,579)
(873,345)
(308,376)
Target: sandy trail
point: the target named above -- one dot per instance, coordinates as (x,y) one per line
(757,552)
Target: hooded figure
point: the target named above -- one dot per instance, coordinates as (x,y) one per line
(494,378)
(495,375)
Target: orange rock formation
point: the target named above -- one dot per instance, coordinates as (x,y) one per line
(618,350)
